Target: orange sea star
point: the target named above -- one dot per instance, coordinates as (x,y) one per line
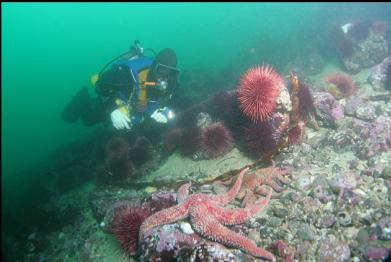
(260,181)
(208,217)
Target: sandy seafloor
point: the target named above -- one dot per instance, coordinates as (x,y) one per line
(315,220)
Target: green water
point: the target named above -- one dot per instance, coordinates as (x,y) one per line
(50,50)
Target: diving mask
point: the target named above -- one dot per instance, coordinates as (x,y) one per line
(165,70)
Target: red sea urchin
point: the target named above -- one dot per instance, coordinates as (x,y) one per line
(126,224)
(295,134)
(257,92)
(190,141)
(306,104)
(343,82)
(171,139)
(141,152)
(264,138)
(225,106)
(116,147)
(216,140)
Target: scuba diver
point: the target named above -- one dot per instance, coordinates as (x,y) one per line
(135,88)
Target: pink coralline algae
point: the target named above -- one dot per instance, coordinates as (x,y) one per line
(364,139)
(333,250)
(160,200)
(328,109)
(170,243)
(380,135)
(377,253)
(170,238)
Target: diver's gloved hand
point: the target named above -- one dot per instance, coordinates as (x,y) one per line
(120,120)
(162,115)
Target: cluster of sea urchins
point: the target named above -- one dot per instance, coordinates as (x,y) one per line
(141,151)
(264,98)
(257,113)
(213,141)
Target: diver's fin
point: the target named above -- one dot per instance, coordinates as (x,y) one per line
(76,106)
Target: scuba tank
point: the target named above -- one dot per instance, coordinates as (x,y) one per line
(134,50)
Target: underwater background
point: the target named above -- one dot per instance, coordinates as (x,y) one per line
(50,50)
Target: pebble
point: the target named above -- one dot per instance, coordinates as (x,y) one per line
(377,253)
(386,234)
(274,222)
(362,235)
(280,212)
(366,113)
(305,232)
(150,189)
(386,173)
(334,250)
(254,235)
(186,228)
(326,221)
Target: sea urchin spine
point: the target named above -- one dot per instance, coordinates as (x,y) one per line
(216,140)
(257,93)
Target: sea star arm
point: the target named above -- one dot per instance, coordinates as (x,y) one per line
(238,215)
(162,217)
(274,185)
(271,177)
(281,177)
(262,190)
(209,227)
(249,198)
(183,193)
(273,171)
(231,194)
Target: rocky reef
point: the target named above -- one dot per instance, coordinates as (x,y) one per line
(326,198)
(368,50)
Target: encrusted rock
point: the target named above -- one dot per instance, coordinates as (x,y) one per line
(305,232)
(377,76)
(366,112)
(328,109)
(344,219)
(367,52)
(386,173)
(333,250)
(326,221)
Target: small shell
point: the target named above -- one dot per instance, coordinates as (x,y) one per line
(186,228)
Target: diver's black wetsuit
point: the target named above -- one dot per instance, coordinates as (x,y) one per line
(117,80)
(121,86)
(96,110)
